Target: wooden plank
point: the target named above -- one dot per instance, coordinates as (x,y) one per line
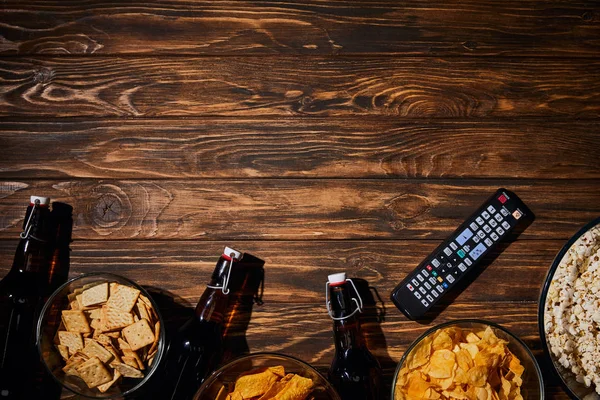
(458,27)
(301,268)
(293,208)
(361,86)
(331,148)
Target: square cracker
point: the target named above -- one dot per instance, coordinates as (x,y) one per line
(123,298)
(139,334)
(75,321)
(72,340)
(128,371)
(95,295)
(94,373)
(114,319)
(105,386)
(93,348)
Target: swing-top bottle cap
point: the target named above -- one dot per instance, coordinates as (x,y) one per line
(337,279)
(230,253)
(44,201)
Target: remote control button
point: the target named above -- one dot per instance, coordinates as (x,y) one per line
(450,278)
(485,215)
(424,272)
(468,262)
(480,221)
(429,268)
(449,265)
(439,288)
(464,236)
(494,236)
(434,273)
(487,229)
(500,231)
(481,234)
(435,263)
(466,248)
(473,226)
(435,293)
(502,199)
(504,212)
(445,285)
(453,246)
(414,282)
(410,287)
(420,278)
(477,251)
(461,253)
(491,209)
(476,239)
(447,251)
(427,286)
(432,280)
(493,223)
(488,242)
(417,295)
(517,214)
(506,225)
(425,303)
(422,290)
(462,267)
(498,217)
(429,298)
(440,280)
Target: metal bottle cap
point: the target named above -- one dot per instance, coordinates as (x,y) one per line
(44,201)
(336,279)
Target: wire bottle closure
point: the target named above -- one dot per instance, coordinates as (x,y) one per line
(225,287)
(28,224)
(359,302)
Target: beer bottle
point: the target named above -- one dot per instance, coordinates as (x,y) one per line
(62,220)
(196,349)
(21,296)
(354,372)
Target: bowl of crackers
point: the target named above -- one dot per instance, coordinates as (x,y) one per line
(468,359)
(101,336)
(266,376)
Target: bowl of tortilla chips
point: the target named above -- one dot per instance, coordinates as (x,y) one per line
(266,376)
(468,359)
(101,336)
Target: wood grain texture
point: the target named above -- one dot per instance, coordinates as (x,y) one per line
(301,268)
(402,88)
(465,27)
(298,148)
(294,209)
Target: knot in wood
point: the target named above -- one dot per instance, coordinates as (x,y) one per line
(43,75)
(587,16)
(470,45)
(110,210)
(408,206)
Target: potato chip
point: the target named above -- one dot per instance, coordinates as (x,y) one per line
(270,383)
(455,363)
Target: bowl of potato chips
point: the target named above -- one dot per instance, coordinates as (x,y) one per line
(101,336)
(468,359)
(266,376)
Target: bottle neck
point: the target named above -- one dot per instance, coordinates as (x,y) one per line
(33,251)
(346,326)
(213,302)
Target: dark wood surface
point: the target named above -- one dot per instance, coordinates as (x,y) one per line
(320,136)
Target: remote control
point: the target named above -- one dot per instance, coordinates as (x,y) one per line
(462,252)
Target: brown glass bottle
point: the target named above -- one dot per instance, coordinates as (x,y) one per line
(354,372)
(196,349)
(21,295)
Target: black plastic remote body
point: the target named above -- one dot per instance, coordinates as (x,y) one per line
(462,252)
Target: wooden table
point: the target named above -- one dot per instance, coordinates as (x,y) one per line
(320,136)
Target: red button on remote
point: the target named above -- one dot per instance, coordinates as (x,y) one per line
(429,268)
(502,199)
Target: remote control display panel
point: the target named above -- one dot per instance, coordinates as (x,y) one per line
(460,253)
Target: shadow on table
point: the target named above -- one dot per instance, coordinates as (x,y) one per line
(374,311)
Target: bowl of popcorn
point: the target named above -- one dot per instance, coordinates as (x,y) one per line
(569,313)
(468,359)
(266,376)
(101,335)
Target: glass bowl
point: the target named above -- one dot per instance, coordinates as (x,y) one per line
(50,320)
(227,375)
(533,385)
(575,389)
